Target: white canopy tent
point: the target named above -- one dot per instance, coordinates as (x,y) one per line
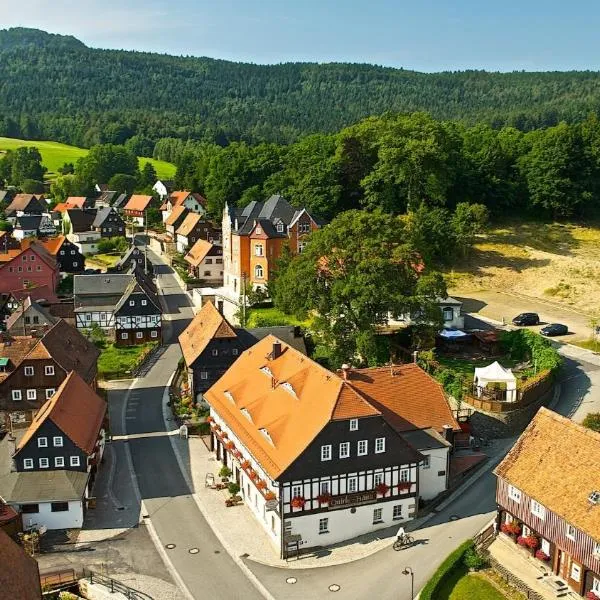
(496,373)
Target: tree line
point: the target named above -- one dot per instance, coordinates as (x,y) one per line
(54,87)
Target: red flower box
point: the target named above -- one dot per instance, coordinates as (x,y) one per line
(245,464)
(324,498)
(511,528)
(542,556)
(261,485)
(298,502)
(210,420)
(229,445)
(253,474)
(404,486)
(531,542)
(382,489)
(522,541)
(270,495)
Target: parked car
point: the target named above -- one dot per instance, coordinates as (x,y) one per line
(526,319)
(554,329)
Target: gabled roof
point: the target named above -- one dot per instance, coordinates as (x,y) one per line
(26,203)
(102,214)
(81,218)
(290,396)
(207,325)
(38,293)
(198,252)
(53,244)
(268,229)
(177,215)
(101,284)
(136,288)
(119,201)
(406,395)
(556,462)
(38,249)
(56,485)
(188,224)
(28,222)
(61,207)
(138,202)
(76,201)
(75,409)
(178,198)
(15,348)
(19,575)
(106,197)
(27,304)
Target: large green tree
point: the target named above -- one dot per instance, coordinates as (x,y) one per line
(22,164)
(352,275)
(103,162)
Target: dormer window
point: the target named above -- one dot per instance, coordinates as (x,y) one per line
(229,396)
(259,230)
(266,434)
(279,227)
(246,414)
(266,371)
(288,387)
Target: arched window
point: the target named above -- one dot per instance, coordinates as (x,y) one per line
(258,272)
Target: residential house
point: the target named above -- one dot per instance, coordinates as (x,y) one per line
(20,574)
(205,261)
(80,202)
(105,198)
(30,267)
(119,202)
(548,491)
(136,208)
(175,219)
(31,318)
(316,461)
(12,301)
(7,242)
(108,223)
(66,253)
(192,229)
(33,367)
(33,226)
(192,201)
(78,227)
(135,258)
(163,187)
(56,460)
(254,236)
(210,345)
(451,310)
(25,204)
(123,305)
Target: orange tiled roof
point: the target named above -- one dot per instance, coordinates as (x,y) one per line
(198,252)
(408,397)
(290,397)
(6,256)
(555,462)
(177,198)
(208,324)
(188,224)
(62,207)
(175,214)
(138,202)
(76,201)
(17,348)
(75,409)
(53,245)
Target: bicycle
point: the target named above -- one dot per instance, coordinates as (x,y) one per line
(405,540)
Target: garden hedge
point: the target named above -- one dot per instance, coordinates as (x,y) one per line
(452,561)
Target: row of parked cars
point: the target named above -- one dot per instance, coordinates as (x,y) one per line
(530,318)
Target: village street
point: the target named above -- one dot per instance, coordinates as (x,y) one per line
(168,507)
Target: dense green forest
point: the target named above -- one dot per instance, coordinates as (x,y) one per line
(54,87)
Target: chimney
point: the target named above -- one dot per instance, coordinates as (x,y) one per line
(276,353)
(448,434)
(415,356)
(345,371)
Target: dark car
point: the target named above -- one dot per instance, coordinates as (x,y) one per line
(526,319)
(554,329)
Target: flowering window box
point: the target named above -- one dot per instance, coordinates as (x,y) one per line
(382,489)
(324,498)
(404,486)
(261,485)
(269,495)
(298,502)
(245,464)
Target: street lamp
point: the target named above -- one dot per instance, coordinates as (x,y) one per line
(409,571)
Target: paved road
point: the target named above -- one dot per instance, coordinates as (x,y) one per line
(211,573)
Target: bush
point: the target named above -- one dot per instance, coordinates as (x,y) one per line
(225,472)
(233,488)
(523,344)
(452,561)
(592,421)
(474,560)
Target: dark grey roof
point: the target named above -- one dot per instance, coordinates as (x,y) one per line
(106,197)
(286,333)
(277,207)
(44,486)
(448,300)
(120,201)
(81,218)
(101,284)
(28,222)
(101,215)
(270,229)
(136,287)
(425,439)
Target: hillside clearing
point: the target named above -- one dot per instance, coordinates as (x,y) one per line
(553,261)
(55,155)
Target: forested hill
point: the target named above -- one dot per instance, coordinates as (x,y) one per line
(54,87)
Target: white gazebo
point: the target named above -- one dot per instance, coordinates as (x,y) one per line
(496,373)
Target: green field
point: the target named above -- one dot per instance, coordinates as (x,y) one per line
(55,155)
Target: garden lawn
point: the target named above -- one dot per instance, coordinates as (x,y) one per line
(272,317)
(101,260)
(115,362)
(55,155)
(462,585)
(467,367)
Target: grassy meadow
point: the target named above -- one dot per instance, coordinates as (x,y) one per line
(55,155)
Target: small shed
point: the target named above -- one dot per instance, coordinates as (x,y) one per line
(496,373)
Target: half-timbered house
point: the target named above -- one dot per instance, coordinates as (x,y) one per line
(548,494)
(317,460)
(138,316)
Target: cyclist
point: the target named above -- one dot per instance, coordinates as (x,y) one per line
(400,535)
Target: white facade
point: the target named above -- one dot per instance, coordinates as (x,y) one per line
(64,519)
(138,322)
(86,241)
(431,483)
(160,188)
(211,269)
(104,319)
(183,243)
(21,234)
(451,315)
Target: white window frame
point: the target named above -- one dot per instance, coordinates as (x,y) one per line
(326,452)
(595,585)
(379,445)
(29,371)
(139,335)
(259,272)
(324,525)
(377,515)
(57,441)
(31,394)
(568,533)
(234,352)
(28,463)
(124,335)
(397,512)
(258,250)
(16,395)
(49,370)
(44,463)
(354,481)
(296,490)
(596,551)
(144,302)
(353,424)
(42,442)
(538,510)
(404,476)
(362,447)
(215,352)
(132,303)
(74,461)
(344,449)
(378,478)
(325,487)
(427,462)
(59,462)
(154,334)
(203,374)
(575,572)
(514,494)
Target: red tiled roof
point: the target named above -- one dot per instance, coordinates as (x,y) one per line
(76,201)
(188,224)
(138,202)
(198,252)
(19,575)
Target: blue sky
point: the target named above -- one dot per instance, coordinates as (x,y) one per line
(426,35)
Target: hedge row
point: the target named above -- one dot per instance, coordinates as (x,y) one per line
(451,562)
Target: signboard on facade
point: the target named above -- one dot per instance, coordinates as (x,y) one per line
(272,504)
(353,499)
